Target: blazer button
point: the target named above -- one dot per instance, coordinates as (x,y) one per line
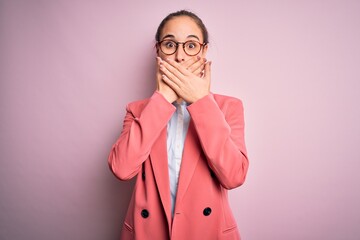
(207,211)
(145,213)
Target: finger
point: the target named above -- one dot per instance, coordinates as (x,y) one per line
(181,69)
(170,83)
(169,73)
(190,62)
(200,70)
(172,68)
(207,71)
(158,61)
(199,64)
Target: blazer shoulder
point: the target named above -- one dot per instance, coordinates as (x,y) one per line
(137,106)
(226,100)
(138,103)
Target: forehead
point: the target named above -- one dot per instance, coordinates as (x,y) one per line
(181,27)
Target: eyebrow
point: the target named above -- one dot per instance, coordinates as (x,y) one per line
(172,36)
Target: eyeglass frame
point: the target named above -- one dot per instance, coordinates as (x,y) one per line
(177,46)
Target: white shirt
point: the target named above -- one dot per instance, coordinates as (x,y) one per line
(176,132)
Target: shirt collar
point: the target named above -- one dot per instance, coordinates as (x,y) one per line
(183,103)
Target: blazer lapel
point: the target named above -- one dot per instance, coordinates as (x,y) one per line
(190,158)
(159,162)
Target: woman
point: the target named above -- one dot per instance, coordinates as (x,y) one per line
(184,144)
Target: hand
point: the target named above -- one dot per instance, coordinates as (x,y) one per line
(162,87)
(195,65)
(185,83)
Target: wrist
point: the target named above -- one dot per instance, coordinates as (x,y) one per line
(170,97)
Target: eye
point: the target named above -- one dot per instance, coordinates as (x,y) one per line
(169,44)
(192,45)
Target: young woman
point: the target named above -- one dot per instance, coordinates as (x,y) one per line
(184,144)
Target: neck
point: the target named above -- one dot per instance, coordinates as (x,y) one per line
(179,100)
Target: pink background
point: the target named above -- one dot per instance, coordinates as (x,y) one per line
(68,68)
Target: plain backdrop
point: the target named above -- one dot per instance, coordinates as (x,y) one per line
(68,69)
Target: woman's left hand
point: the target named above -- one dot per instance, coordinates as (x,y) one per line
(186,84)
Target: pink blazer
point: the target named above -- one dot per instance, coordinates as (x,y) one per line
(214,160)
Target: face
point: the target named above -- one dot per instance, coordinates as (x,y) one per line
(182,29)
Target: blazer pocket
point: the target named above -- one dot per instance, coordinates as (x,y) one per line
(128,227)
(127,232)
(230,233)
(230,229)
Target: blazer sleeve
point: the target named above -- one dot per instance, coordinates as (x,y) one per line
(140,130)
(221,134)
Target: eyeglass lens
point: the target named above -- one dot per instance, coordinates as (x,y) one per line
(190,47)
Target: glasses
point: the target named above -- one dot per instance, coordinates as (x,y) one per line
(191,47)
